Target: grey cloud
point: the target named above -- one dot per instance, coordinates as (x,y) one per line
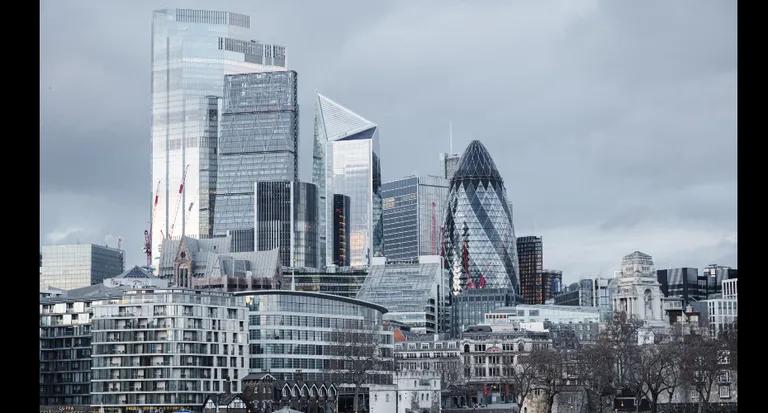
(600,115)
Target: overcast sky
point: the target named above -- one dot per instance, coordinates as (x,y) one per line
(613,123)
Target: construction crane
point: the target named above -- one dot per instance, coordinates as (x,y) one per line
(434,229)
(148,233)
(178,203)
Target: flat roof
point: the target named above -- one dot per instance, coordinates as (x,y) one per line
(382,309)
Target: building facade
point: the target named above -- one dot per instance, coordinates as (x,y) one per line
(681,282)
(539,313)
(478,236)
(286,218)
(415,293)
(78,265)
(258,141)
(322,339)
(165,349)
(346,160)
(717,315)
(469,308)
(530,254)
(343,282)
(637,292)
(450,163)
(412,214)
(192,50)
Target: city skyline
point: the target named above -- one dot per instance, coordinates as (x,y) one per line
(604,151)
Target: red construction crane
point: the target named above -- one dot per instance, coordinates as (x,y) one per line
(434,229)
(148,233)
(178,203)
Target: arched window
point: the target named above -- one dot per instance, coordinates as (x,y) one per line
(466,348)
(520,347)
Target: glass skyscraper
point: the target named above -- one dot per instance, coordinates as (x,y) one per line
(413,209)
(192,50)
(346,161)
(286,218)
(78,265)
(478,236)
(258,141)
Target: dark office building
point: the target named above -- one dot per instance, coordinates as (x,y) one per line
(341,209)
(531,256)
(683,283)
(551,283)
(286,218)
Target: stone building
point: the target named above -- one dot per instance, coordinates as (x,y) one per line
(637,291)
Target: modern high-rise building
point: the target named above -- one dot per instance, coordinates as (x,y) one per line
(346,161)
(192,50)
(530,254)
(78,265)
(413,209)
(286,218)
(478,236)
(258,141)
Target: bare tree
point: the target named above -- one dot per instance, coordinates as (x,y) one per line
(361,355)
(451,375)
(549,373)
(655,371)
(595,369)
(522,377)
(703,360)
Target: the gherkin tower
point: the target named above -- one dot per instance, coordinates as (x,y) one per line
(478,236)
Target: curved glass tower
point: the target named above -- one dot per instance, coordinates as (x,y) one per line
(478,237)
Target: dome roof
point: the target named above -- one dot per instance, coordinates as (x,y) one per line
(476,162)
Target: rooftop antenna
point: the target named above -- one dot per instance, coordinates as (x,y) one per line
(450,137)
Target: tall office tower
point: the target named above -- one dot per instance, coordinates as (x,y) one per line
(412,212)
(258,141)
(681,282)
(450,163)
(286,218)
(192,50)
(340,225)
(478,236)
(78,265)
(346,161)
(530,253)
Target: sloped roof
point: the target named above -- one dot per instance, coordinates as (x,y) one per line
(135,272)
(200,250)
(338,121)
(260,263)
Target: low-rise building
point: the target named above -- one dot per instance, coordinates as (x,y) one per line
(412,391)
(314,335)
(414,292)
(541,313)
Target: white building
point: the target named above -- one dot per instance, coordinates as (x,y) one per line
(719,314)
(412,391)
(538,313)
(637,292)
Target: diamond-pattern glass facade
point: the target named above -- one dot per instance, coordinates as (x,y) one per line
(478,236)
